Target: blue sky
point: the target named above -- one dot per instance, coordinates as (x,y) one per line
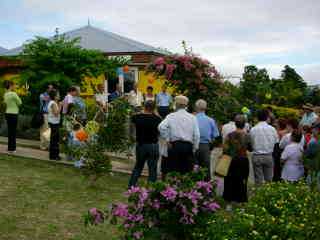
(231,34)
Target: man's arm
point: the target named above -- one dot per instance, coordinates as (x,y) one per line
(214,130)
(196,135)
(164,129)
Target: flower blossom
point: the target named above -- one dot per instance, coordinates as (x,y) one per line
(159,61)
(169,70)
(204,185)
(97,215)
(137,235)
(169,193)
(211,206)
(121,210)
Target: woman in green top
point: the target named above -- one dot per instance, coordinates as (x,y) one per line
(13,102)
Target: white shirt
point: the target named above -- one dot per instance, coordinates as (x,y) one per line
(66,101)
(52,118)
(101,98)
(286,140)
(135,98)
(180,126)
(293,168)
(231,127)
(227,129)
(263,138)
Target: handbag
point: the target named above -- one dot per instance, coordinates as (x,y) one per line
(222,165)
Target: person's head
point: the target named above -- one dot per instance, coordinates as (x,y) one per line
(201,105)
(9,85)
(76,127)
(53,94)
(269,109)
(240,121)
(296,136)
(50,87)
(306,129)
(164,88)
(307,108)
(263,115)
(149,106)
(292,124)
(78,91)
(100,88)
(181,102)
(282,124)
(149,90)
(72,91)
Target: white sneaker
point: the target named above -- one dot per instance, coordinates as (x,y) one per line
(11,152)
(229,208)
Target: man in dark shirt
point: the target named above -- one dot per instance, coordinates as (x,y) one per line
(147,149)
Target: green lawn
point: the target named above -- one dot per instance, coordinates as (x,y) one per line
(46,201)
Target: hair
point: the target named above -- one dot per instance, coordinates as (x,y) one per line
(296,136)
(263,115)
(269,108)
(294,123)
(71,108)
(150,88)
(307,129)
(201,105)
(7,84)
(149,105)
(76,127)
(282,123)
(53,94)
(72,89)
(240,121)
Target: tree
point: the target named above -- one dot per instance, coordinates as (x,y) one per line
(62,62)
(255,85)
(290,90)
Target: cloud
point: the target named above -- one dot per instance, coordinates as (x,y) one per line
(230,33)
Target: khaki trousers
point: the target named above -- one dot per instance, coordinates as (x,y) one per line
(44,143)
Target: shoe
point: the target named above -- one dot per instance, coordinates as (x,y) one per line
(11,152)
(56,158)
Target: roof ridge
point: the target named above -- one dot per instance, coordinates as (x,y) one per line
(126,39)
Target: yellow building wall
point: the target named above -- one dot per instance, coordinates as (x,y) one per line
(89,85)
(20,89)
(148,79)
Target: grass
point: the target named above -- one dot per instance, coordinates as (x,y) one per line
(46,201)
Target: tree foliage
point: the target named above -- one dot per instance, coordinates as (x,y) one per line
(61,61)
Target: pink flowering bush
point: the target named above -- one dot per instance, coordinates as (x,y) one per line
(166,210)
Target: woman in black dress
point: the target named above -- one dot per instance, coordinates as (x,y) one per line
(236,145)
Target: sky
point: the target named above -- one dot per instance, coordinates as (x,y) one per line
(229,33)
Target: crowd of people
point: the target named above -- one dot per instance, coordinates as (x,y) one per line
(280,149)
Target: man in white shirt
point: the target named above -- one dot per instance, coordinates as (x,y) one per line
(181,132)
(231,127)
(101,98)
(263,138)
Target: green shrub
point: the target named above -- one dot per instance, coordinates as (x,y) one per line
(276,211)
(283,112)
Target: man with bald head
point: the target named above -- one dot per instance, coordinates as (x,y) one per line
(181,131)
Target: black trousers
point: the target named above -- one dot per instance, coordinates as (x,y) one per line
(180,158)
(54,141)
(163,111)
(12,122)
(145,153)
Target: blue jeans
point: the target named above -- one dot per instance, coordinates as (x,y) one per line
(145,153)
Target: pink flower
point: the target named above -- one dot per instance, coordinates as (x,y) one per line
(96,215)
(159,61)
(169,70)
(211,206)
(121,210)
(204,185)
(169,193)
(196,168)
(156,204)
(137,235)
(194,196)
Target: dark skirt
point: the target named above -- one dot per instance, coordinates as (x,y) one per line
(277,151)
(235,183)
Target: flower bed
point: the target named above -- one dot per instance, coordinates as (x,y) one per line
(165,210)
